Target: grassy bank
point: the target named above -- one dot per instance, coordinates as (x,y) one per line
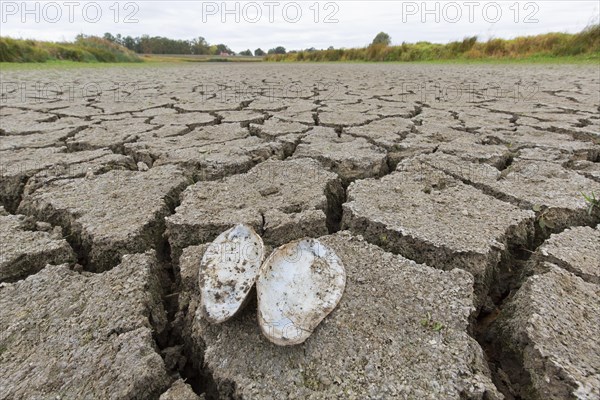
(151,62)
(584,45)
(196,58)
(84,49)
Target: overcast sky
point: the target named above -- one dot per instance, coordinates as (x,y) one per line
(294,25)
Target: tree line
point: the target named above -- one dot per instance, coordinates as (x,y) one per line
(146,44)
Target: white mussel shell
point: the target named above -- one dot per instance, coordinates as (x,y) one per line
(228,271)
(298,285)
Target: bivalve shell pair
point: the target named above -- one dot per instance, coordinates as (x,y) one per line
(298,285)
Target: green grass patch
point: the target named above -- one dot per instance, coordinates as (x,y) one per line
(196,58)
(65,64)
(480,61)
(84,49)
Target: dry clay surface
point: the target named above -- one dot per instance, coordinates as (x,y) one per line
(453,195)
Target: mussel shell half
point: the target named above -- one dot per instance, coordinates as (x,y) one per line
(228,271)
(298,285)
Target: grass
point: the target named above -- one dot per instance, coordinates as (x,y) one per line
(592,202)
(584,59)
(84,49)
(579,48)
(429,323)
(63,64)
(196,58)
(550,47)
(173,61)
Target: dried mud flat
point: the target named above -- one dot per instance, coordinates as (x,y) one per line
(452,195)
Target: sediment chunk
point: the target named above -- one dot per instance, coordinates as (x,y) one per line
(550,327)
(281,200)
(24,251)
(576,249)
(428,216)
(109,215)
(72,335)
(348,156)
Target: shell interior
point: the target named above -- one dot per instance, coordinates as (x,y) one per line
(298,285)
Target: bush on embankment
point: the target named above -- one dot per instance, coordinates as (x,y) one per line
(84,49)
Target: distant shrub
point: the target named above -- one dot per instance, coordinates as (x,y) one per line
(587,40)
(495,47)
(105,50)
(460,48)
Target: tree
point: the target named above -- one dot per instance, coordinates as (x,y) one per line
(246,53)
(382,38)
(130,43)
(277,50)
(259,52)
(200,46)
(145,44)
(108,36)
(163,45)
(221,48)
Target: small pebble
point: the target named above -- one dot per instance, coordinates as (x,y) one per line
(43,226)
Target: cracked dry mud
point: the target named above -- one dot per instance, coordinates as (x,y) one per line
(470,252)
